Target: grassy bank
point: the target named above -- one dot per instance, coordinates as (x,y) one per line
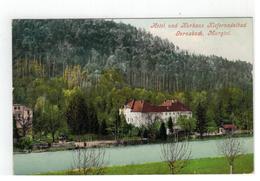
(244,164)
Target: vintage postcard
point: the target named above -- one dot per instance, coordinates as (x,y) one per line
(133,96)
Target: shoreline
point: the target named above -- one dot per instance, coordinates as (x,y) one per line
(121,143)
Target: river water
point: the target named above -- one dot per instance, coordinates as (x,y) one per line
(34,163)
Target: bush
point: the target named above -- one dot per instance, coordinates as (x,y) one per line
(83,137)
(25,143)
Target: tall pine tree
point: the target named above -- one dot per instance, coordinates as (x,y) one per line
(163,135)
(201,119)
(170,125)
(77,115)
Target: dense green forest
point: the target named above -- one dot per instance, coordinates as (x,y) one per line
(76,74)
(145,60)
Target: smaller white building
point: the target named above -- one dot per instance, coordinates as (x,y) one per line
(23,117)
(139,112)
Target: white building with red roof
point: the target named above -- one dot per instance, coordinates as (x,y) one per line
(140,112)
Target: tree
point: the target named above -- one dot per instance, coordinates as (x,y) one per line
(170,125)
(77,114)
(201,119)
(24,122)
(153,128)
(48,118)
(103,128)
(231,148)
(127,129)
(211,126)
(39,126)
(188,124)
(143,132)
(176,155)
(89,160)
(162,133)
(117,125)
(93,126)
(15,129)
(54,120)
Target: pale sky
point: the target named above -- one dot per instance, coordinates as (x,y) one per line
(238,44)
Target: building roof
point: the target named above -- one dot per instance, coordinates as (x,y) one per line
(175,105)
(166,106)
(168,102)
(17,104)
(229,126)
(21,107)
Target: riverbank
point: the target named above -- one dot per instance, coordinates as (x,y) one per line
(219,165)
(112,143)
(34,163)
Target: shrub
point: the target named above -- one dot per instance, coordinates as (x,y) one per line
(25,143)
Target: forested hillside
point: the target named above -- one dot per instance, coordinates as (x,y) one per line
(146,61)
(76,74)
